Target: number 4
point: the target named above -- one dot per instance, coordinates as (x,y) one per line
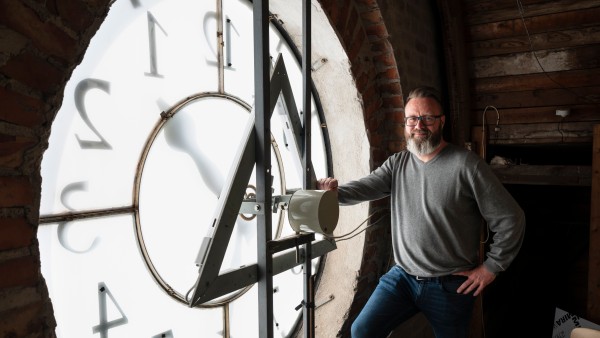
(105,325)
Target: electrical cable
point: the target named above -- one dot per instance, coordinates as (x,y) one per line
(349,235)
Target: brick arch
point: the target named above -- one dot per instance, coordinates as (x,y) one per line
(42,42)
(363,34)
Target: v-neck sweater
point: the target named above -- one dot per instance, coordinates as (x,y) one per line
(439,208)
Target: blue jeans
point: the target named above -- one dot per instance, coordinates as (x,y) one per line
(399,296)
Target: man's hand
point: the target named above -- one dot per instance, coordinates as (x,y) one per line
(328,183)
(477,280)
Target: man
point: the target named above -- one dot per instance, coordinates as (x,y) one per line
(439,195)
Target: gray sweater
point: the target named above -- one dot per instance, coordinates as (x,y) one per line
(438,210)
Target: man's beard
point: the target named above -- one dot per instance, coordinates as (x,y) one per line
(423,146)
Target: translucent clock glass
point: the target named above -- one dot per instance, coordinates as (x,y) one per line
(139,158)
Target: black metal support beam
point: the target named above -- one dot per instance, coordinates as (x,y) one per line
(309,304)
(263,165)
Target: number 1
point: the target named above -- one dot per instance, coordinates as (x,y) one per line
(152,23)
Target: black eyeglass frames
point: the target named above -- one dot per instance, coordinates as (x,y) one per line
(427,120)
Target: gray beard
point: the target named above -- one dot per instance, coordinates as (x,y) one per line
(424,147)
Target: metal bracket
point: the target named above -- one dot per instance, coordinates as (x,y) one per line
(250,206)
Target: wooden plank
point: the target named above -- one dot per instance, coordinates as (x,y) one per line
(530,10)
(527,63)
(569,79)
(545,40)
(540,133)
(474,7)
(544,174)
(457,69)
(579,113)
(561,97)
(593,303)
(476,141)
(539,24)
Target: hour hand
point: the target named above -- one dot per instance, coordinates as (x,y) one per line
(181,135)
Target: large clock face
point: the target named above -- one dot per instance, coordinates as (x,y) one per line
(139,153)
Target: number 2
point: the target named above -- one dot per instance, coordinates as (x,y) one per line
(80,91)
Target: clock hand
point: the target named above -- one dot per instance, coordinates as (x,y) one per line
(180,134)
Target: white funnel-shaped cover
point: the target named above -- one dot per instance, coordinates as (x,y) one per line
(314,211)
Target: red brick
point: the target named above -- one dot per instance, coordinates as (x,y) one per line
(393,101)
(26,68)
(23,271)
(15,233)
(20,109)
(15,191)
(76,14)
(385,59)
(372,16)
(377,30)
(12,150)
(25,322)
(45,35)
(355,45)
(392,87)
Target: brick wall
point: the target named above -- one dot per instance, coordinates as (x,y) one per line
(40,44)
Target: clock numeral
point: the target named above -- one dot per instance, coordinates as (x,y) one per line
(297,270)
(104,324)
(135,3)
(62,226)
(228,27)
(80,91)
(152,24)
(279,329)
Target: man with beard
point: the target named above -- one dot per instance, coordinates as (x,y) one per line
(440,195)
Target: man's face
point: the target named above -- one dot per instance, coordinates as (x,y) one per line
(423,139)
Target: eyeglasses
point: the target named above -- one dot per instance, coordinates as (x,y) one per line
(427,120)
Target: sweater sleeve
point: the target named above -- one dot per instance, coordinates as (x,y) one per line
(504,218)
(372,187)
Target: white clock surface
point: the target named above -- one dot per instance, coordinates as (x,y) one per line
(127,195)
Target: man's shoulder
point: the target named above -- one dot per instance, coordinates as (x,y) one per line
(462,157)
(460,151)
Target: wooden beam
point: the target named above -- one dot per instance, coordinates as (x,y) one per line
(563,175)
(539,114)
(569,79)
(559,97)
(552,22)
(552,60)
(541,41)
(459,96)
(536,133)
(593,303)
